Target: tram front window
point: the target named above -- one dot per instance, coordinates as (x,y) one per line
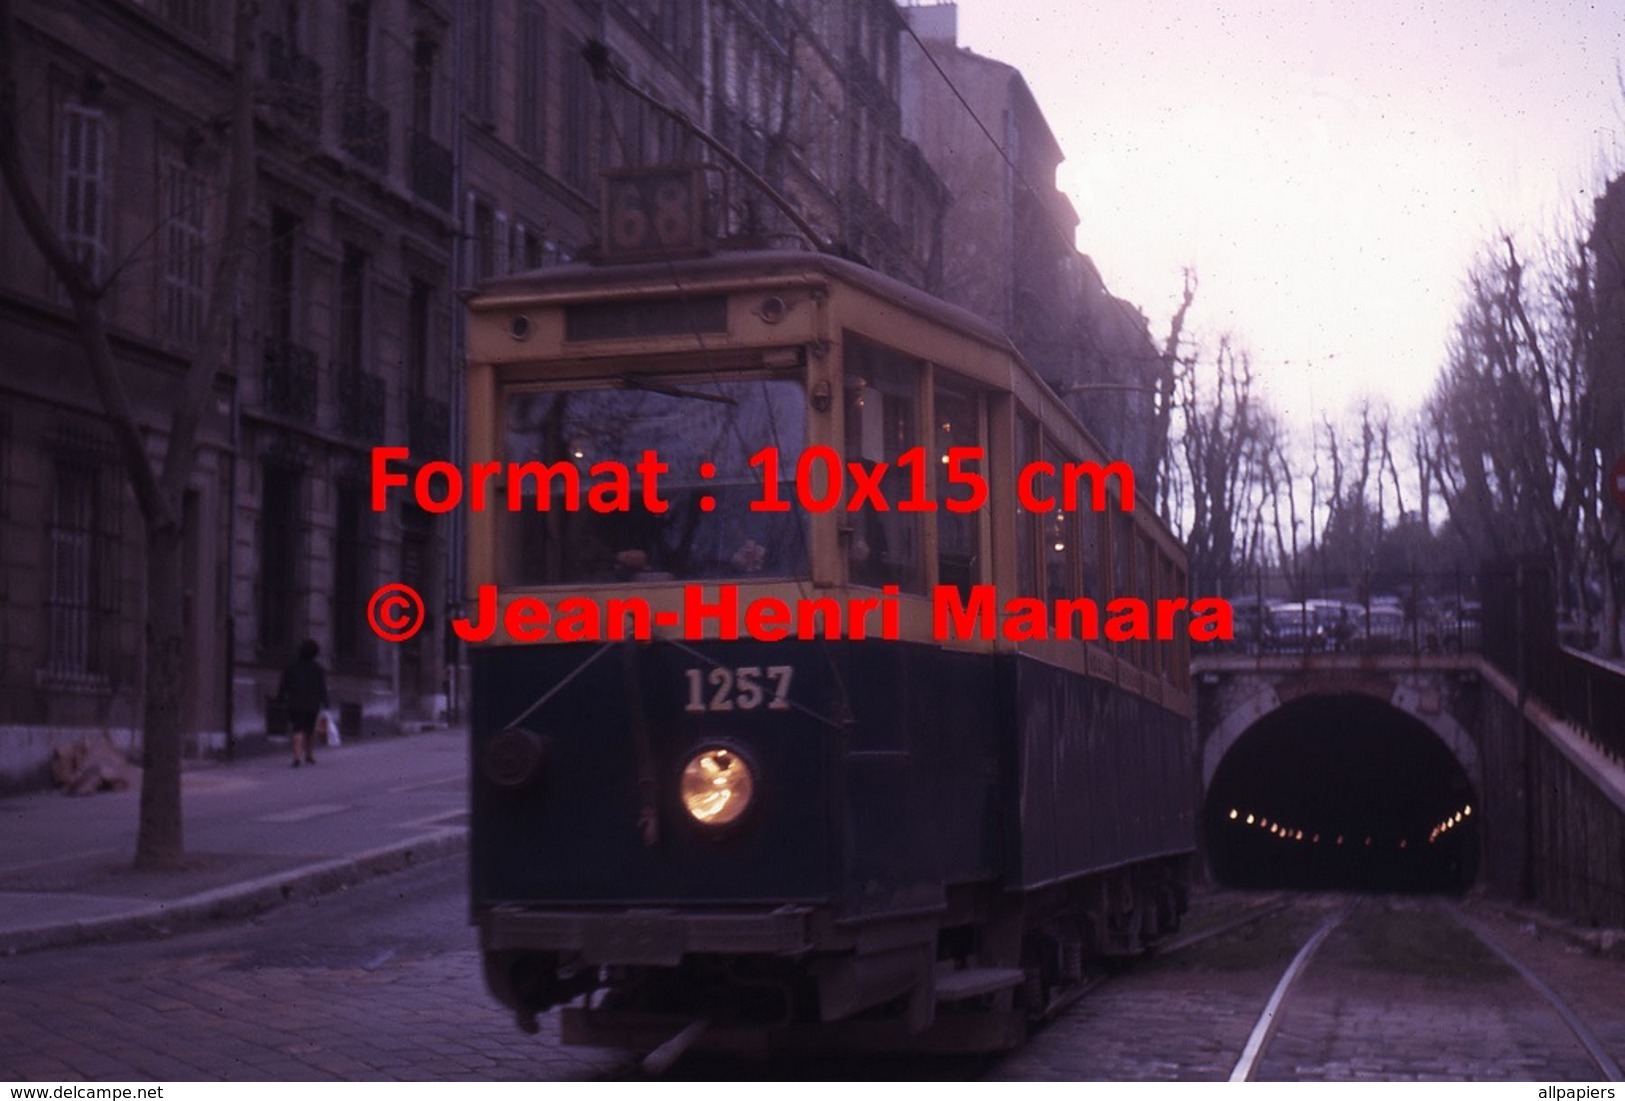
(704,431)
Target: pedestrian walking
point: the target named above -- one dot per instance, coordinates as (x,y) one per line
(303,692)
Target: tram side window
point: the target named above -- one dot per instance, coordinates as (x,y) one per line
(1026,521)
(882,421)
(557,437)
(1150,651)
(1168,590)
(1060,546)
(1090,559)
(1182,642)
(1123,565)
(958,533)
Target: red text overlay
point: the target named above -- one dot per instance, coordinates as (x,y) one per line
(817,481)
(726,612)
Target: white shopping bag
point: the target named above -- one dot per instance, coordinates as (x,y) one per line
(327,726)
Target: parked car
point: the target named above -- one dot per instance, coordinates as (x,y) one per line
(1296,626)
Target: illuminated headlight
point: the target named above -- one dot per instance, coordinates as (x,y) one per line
(717,786)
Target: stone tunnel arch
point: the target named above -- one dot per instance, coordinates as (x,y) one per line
(1365,785)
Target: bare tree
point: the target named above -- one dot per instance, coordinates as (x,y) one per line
(1227,438)
(159,486)
(1516,439)
(1163,384)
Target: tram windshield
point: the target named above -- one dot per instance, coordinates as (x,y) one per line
(688,423)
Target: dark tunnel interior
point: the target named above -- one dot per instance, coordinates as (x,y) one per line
(1345,793)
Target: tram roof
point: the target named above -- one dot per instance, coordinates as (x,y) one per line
(566,280)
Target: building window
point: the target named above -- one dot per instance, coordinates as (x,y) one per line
(484,240)
(189,15)
(84,186)
(424,51)
(183,229)
(76,553)
(352,327)
(480,61)
(352,577)
(578,100)
(281,531)
(284,249)
(531,113)
(357,46)
(419,302)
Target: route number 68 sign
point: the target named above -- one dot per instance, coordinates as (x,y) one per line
(653,213)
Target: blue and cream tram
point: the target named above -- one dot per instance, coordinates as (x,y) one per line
(794,834)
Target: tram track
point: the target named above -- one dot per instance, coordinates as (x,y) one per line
(1481,1005)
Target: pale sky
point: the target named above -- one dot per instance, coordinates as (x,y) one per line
(1329,169)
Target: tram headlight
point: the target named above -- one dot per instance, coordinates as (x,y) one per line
(717,786)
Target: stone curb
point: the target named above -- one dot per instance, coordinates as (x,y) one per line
(238,900)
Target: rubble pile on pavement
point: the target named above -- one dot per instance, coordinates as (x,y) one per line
(85,768)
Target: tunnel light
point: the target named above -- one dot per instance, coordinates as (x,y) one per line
(1467,809)
(1300,835)
(1402,843)
(1234,814)
(1316,839)
(1457,818)
(1368,842)
(1249,819)
(1263,821)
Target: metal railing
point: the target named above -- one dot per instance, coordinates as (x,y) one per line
(361,404)
(1429,615)
(296,83)
(290,384)
(431,171)
(365,133)
(428,427)
(1590,693)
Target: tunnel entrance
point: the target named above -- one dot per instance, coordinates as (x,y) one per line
(1342,792)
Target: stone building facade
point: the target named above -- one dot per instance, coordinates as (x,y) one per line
(1009,249)
(406,149)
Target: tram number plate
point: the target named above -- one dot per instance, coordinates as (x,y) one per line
(746,688)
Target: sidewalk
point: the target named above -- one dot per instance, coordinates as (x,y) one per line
(258,833)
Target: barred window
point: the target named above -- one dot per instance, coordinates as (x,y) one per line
(84,185)
(183,197)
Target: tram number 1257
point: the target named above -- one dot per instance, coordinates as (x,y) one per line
(741,689)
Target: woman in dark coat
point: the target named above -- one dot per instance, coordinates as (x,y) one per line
(304,693)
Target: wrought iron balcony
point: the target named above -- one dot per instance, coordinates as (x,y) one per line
(365,134)
(296,84)
(431,170)
(361,405)
(290,380)
(428,425)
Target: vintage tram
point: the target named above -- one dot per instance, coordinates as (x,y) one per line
(770,834)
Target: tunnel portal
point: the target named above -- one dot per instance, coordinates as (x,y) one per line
(1341,792)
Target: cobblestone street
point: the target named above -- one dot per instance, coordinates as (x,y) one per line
(382,982)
